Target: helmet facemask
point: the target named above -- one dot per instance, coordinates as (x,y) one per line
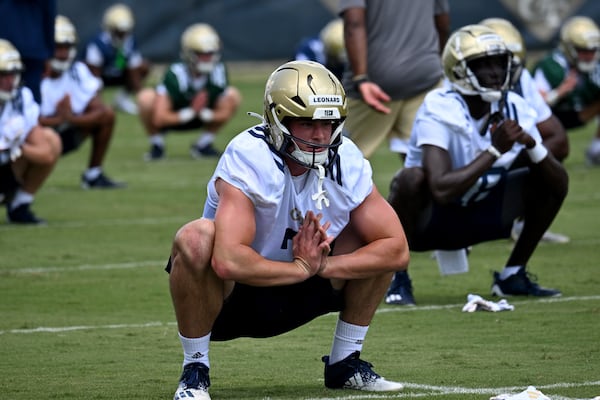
(466,46)
(490,94)
(65,37)
(200,48)
(10,65)
(580,36)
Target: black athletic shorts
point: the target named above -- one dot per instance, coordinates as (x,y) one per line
(71,137)
(261,312)
(453,226)
(570,119)
(8,182)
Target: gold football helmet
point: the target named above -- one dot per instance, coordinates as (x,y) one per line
(332,36)
(118,21)
(118,17)
(513,40)
(10,64)
(469,43)
(303,89)
(200,48)
(64,35)
(580,33)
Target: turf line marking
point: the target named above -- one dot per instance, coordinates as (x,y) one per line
(102,222)
(86,267)
(431,391)
(447,306)
(379,311)
(63,329)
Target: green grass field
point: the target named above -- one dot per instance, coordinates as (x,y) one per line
(86,312)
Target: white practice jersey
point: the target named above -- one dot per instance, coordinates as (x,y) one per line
(529,91)
(281,200)
(78,82)
(443,120)
(17,118)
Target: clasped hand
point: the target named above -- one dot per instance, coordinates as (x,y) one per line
(508,132)
(311,244)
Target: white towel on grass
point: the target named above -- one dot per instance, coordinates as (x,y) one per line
(478,303)
(530,393)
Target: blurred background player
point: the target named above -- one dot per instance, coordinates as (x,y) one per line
(394,61)
(113,56)
(72,105)
(467,177)
(194,93)
(327,48)
(569,78)
(28,152)
(551,129)
(29,27)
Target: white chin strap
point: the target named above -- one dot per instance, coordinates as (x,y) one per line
(586,66)
(58,65)
(7,95)
(491,96)
(205,67)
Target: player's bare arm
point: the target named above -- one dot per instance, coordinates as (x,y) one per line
(234,259)
(384,247)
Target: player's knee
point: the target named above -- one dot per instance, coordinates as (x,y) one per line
(194,241)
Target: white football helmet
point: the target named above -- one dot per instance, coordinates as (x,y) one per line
(10,64)
(303,89)
(332,36)
(513,40)
(465,45)
(65,35)
(200,48)
(118,21)
(580,33)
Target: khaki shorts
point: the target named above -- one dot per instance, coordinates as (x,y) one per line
(368,128)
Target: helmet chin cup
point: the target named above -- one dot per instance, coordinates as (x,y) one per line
(491,96)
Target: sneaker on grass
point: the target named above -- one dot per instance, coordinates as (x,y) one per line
(23,215)
(194,383)
(207,151)
(354,373)
(521,284)
(101,182)
(155,153)
(400,291)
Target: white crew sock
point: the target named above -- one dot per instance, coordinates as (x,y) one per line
(348,338)
(205,139)
(92,173)
(21,197)
(195,349)
(158,139)
(509,271)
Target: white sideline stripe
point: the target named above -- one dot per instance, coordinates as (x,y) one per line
(103,222)
(87,267)
(43,329)
(446,306)
(379,311)
(455,390)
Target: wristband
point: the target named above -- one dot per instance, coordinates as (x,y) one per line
(186,115)
(206,115)
(552,97)
(494,151)
(359,79)
(537,153)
